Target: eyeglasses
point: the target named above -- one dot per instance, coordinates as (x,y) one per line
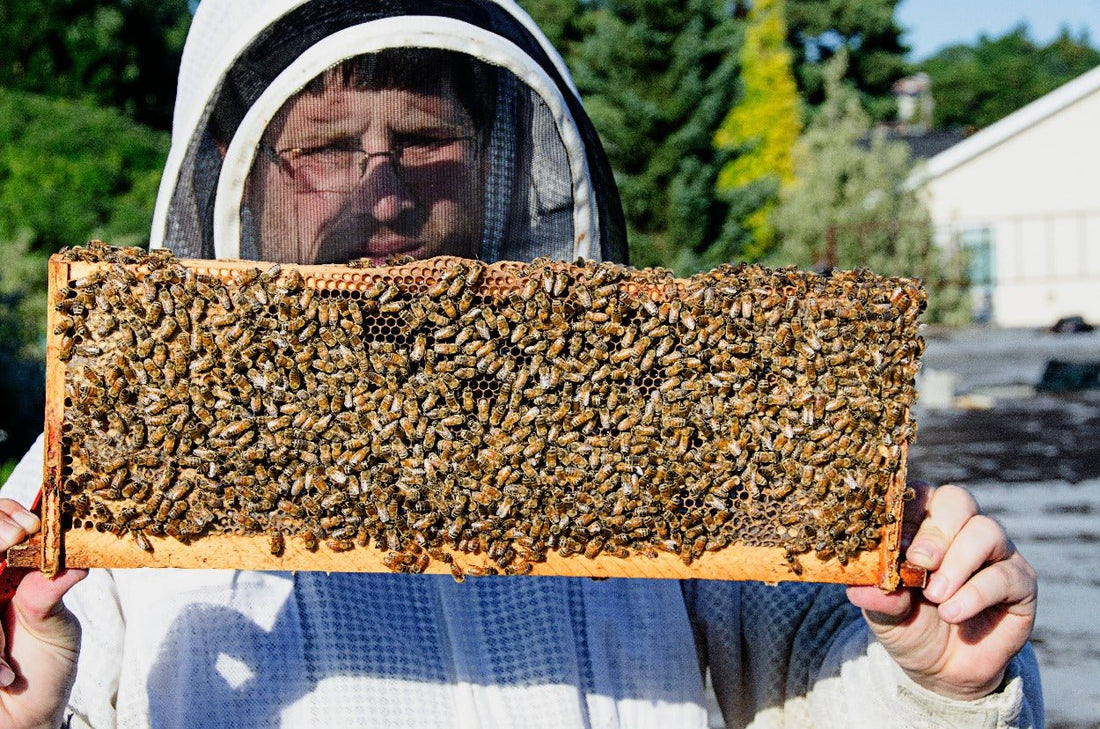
(339,167)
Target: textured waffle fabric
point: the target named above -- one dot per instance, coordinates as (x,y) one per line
(192,648)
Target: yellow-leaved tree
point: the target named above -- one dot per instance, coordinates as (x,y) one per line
(763,126)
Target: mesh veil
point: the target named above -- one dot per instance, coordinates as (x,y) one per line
(531,201)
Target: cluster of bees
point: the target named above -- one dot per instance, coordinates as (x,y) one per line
(445,406)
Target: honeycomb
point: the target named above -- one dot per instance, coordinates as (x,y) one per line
(444,410)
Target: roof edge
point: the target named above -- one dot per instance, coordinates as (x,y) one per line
(1013,124)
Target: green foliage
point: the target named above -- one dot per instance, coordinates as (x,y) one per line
(852,205)
(866,30)
(5,470)
(658,78)
(559,20)
(974,86)
(22,350)
(764,124)
(23,393)
(22,300)
(120,54)
(70,172)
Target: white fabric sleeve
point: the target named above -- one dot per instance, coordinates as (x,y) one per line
(95,603)
(801,655)
(870,689)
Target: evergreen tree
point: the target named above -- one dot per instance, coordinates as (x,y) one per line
(852,205)
(765,123)
(658,78)
(866,31)
(976,85)
(120,54)
(560,20)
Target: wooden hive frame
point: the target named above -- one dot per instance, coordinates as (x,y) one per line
(777,314)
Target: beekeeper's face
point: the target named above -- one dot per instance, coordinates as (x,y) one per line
(348,173)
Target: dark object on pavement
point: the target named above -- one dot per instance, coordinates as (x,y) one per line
(1062,376)
(1071,325)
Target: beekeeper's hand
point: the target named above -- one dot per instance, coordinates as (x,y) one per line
(957,635)
(41,638)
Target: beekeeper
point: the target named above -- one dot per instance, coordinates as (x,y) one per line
(328,130)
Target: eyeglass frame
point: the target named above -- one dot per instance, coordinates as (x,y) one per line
(288,167)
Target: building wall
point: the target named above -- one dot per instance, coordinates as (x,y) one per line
(1037,197)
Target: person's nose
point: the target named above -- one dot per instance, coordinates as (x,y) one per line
(381,192)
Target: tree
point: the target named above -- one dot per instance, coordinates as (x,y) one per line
(22,370)
(658,78)
(864,29)
(853,206)
(560,20)
(974,86)
(110,53)
(68,172)
(765,122)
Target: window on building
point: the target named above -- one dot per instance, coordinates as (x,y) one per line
(977,243)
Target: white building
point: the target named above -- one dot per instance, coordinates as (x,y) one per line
(1023,196)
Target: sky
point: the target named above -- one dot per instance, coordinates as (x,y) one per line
(932,24)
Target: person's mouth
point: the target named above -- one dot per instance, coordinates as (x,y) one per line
(380,250)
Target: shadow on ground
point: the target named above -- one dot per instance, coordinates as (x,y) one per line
(1046,437)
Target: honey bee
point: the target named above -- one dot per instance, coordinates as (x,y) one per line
(479,571)
(339,545)
(141,540)
(621,404)
(65,348)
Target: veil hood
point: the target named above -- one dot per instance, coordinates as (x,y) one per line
(549,189)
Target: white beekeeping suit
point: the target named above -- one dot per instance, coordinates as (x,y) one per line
(201,648)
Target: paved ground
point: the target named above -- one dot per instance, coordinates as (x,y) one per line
(996,360)
(1056,525)
(1020,439)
